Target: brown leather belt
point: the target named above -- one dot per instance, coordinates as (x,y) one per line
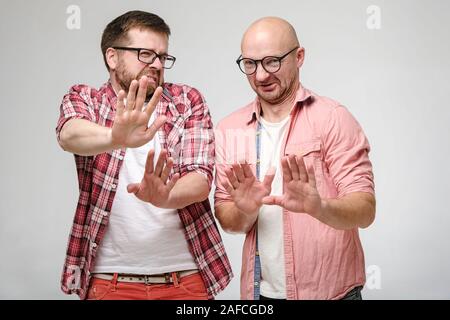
(147,279)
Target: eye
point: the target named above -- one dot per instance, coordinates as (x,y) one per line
(145,54)
(248,63)
(271,61)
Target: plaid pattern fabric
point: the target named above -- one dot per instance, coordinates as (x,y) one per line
(188,137)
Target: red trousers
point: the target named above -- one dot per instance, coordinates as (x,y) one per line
(190,287)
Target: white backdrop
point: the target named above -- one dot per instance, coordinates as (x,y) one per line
(387,61)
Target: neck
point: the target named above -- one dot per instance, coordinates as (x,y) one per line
(279,111)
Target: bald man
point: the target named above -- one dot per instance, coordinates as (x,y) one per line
(293,173)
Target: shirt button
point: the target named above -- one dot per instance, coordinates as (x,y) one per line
(256,284)
(113,186)
(94,245)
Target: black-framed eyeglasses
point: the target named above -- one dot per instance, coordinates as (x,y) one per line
(149,56)
(270,63)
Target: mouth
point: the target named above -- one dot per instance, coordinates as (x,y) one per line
(152,75)
(267,87)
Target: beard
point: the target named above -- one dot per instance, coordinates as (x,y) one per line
(124,78)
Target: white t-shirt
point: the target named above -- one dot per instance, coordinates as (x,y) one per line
(141,238)
(270,218)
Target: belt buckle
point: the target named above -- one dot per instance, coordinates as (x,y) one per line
(169,279)
(147,280)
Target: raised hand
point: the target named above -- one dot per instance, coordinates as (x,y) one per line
(246,191)
(130,128)
(300,192)
(155,186)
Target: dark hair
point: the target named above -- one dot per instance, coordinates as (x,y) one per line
(117,30)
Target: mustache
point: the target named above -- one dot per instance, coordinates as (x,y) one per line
(149,73)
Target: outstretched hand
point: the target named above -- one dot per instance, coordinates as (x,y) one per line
(300,191)
(246,191)
(156,186)
(130,128)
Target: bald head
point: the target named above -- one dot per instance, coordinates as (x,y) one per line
(275,80)
(267,35)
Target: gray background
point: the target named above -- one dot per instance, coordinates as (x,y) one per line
(394,80)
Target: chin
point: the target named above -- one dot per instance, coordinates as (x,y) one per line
(271,96)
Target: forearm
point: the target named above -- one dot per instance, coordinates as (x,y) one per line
(190,189)
(86,138)
(232,220)
(355,210)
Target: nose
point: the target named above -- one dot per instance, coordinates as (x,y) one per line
(261,74)
(156,64)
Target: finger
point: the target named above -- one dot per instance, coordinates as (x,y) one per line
(287,176)
(173,181)
(248,173)
(149,162)
(302,169)
(120,103)
(228,188)
(153,101)
(154,127)
(142,92)
(272,200)
(239,172)
(133,188)
(294,167)
(312,177)
(132,94)
(160,164)
(166,171)
(268,178)
(231,178)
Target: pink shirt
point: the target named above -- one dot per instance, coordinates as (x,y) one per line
(320,261)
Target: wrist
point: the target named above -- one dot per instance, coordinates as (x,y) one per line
(324,209)
(251,214)
(171,202)
(111,141)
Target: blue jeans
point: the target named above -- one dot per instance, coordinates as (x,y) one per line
(354,294)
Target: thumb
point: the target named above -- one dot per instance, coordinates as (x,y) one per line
(133,188)
(158,123)
(173,181)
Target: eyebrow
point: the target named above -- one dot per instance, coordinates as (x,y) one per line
(138,47)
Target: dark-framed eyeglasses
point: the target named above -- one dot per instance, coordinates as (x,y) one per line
(270,63)
(148,56)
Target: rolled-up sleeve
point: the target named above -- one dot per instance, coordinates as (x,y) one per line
(346,153)
(198,139)
(76,104)
(220,194)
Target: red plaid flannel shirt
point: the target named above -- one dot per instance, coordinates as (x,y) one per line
(188,137)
